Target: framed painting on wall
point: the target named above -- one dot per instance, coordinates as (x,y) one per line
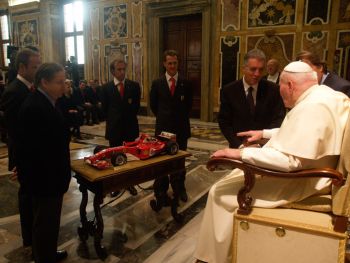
(28,33)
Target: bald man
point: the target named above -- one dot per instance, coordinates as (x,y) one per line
(298,144)
(273,70)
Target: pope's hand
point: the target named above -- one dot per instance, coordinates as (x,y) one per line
(228,153)
(251,136)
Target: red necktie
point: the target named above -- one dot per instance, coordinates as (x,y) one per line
(172,86)
(32,88)
(121,89)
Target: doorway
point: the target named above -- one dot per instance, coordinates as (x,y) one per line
(184,34)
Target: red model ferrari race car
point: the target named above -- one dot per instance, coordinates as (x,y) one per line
(143,147)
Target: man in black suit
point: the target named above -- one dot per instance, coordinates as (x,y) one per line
(171,102)
(251,103)
(121,104)
(324,77)
(43,162)
(27,63)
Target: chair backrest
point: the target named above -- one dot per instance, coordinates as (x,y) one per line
(341,195)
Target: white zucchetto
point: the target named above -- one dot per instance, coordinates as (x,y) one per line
(298,67)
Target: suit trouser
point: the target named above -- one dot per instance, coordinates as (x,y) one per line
(177,180)
(46,225)
(26,215)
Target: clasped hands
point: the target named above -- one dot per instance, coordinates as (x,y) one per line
(250,138)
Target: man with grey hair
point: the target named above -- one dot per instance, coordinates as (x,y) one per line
(250,103)
(121,103)
(305,140)
(273,70)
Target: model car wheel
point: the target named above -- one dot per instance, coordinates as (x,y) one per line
(172,148)
(99,148)
(118,159)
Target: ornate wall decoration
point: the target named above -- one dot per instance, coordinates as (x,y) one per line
(344,11)
(112,52)
(136,9)
(317,42)
(229,53)
(342,55)
(137,64)
(115,21)
(96,62)
(230,15)
(317,12)
(279,46)
(28,33)
(271,13)
(94,23)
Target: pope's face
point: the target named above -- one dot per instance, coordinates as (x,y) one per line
(253,71)
(286,92)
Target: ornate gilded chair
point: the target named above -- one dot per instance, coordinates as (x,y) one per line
(313,230)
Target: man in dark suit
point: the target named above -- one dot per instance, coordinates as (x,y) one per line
(324,77)
(121,104)
(27,63)
(171,102)
(43,162)
(251,103)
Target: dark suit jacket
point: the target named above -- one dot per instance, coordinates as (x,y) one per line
(121,114)
(234,115)
(43,162)
(337,83)
(12,99)
(172,112)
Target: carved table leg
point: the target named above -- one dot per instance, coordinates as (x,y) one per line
(83,230)
(98,234)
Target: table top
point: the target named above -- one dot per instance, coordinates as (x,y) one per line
(93,175)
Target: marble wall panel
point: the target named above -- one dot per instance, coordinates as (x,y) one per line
(137,64)
(136,9)
(317,11)
(28,33)
(317,42)
(230,15)
(279,46)
(229,53)
(96,54)
(271,13)
(115,21)
(344,11)
(94,23)
(112,52)
(342,54)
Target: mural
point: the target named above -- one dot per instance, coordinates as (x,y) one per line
(275,46)
(344,11)
(317,42)
(115,21)
(28,33)
(96,62)
(112,52)
(229,50)
(342,55)
(271,12)
(137,19)
(230,15)
(317,12)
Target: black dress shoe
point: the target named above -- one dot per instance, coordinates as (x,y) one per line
(132,190)
(115,193)
(183,196)
(60,255)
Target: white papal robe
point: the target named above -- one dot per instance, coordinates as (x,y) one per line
(309,137)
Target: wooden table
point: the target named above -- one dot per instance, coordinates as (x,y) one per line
(102,182)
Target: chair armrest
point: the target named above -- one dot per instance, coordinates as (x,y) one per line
(244,200)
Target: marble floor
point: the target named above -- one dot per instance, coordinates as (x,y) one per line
(151,237)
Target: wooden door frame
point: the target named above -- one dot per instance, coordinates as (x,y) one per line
(155,12)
